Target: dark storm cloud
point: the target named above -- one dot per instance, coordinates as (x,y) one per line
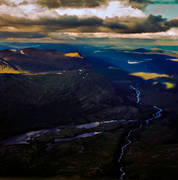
(4,35)
(85,3)
(138,25)
(50,24)
(53,4)
(92,24)
(70,22)
(151,24)
(35,24)
(140,3)
(71,3)
(173,23)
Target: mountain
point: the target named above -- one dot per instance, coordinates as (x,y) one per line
(72,116)
(46,88)
(7,68)
(31,60)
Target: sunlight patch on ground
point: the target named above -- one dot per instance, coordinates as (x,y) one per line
(134,62)
(155,83)
(73,54)
(155,49)
(175,60)
(169,85)
(8,70)
(113,68)
(148,76)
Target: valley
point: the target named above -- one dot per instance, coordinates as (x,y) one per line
(64,116)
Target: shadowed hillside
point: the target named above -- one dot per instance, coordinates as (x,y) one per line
(34,61)
(58,89)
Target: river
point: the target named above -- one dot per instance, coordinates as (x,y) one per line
(128,138)
(27,137)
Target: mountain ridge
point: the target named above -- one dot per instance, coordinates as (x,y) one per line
(31,60)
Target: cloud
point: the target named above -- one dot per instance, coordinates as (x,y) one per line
(5,35)
(169,35)
(72,3)
(45,25)
(141,4)
(41,18)
(173,23)
(53,4)
(109,10)
(150,24)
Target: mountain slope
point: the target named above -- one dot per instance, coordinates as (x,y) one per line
(34,60)
(46,88)
(6,68)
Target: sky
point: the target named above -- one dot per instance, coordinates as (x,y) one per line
(59,20)
(166,8)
